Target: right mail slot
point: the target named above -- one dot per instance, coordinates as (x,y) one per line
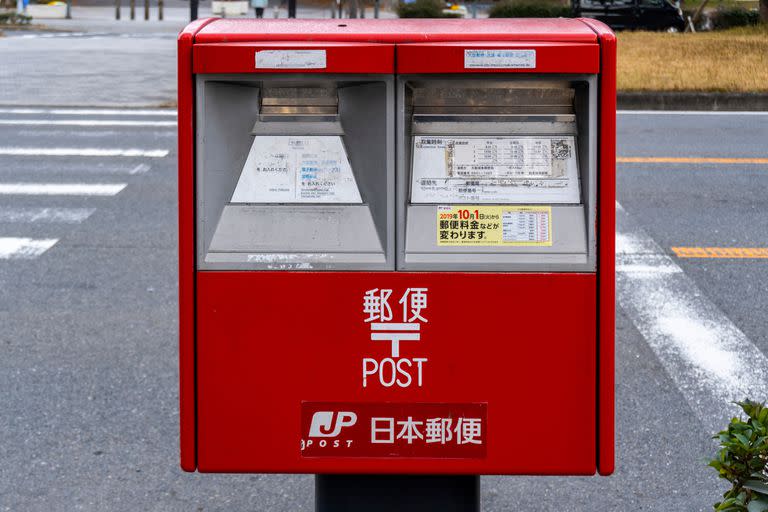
(497,172)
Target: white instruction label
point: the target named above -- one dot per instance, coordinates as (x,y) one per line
(478,170)
(509,59)
(285,169)
(290,59)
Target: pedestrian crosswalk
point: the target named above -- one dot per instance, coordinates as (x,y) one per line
(61,189)
(60,177)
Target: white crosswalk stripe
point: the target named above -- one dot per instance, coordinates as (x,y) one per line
(24,248)
(83,122)
(88,112)
(45,215)
(102,152)
(706,355)
(61,189)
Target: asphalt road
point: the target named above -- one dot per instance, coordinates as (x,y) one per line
(88,308)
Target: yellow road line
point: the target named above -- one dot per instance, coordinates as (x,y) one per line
(688,160)
(721,252)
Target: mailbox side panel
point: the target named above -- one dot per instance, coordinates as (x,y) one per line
(186,176)
(519,348)
(606,255)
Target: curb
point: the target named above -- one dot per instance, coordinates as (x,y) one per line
(746,101)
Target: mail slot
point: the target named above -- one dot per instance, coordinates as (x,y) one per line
(505,167)
(396,246)
(295,172)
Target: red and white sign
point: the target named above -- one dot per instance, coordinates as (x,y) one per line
(394,370)
(332,429)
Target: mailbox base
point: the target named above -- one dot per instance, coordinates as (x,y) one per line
(404,493)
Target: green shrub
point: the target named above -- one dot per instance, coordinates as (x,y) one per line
(728,17)
(13,18)
(743,461)
(510,9)
(421,9)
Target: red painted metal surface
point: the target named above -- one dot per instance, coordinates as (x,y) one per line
(537,350)
(341,57)
(397,31)
(524,344)
(186,148)
(449,57)
(606,248)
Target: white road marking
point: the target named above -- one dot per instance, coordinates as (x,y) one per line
(103,152)
(24,248)
(82,122)
(692,113)
(62,167)
(61,189)
(63,215)
(89,111)
(711,361)
(140,169)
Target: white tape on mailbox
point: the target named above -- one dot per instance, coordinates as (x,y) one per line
(499,59)
(290,59)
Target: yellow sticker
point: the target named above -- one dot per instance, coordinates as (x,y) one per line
(494,225)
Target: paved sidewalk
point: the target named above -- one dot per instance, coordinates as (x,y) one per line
(95,60)
(81,70)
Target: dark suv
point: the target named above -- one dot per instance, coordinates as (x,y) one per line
(632,14)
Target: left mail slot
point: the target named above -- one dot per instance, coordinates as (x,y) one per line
(294,173)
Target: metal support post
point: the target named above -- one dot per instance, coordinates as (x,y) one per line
(117,9)
(69,10)
(403,493)
(192,10)
(132,5)
(146,10)
(160,10)
(291,8)
(376,9)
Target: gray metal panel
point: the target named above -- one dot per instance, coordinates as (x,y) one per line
(297,127)
(227,114)
(522,127)
(509,262)
(292,261)
(295,229)
(497,93)
(574,227)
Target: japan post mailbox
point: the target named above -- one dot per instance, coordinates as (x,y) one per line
(397,246)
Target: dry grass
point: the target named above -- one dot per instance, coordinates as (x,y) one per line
(728,61)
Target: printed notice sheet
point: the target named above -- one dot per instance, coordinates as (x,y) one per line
(494,225)
(284,169)
(525,169)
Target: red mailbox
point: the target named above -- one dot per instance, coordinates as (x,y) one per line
(397,246)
